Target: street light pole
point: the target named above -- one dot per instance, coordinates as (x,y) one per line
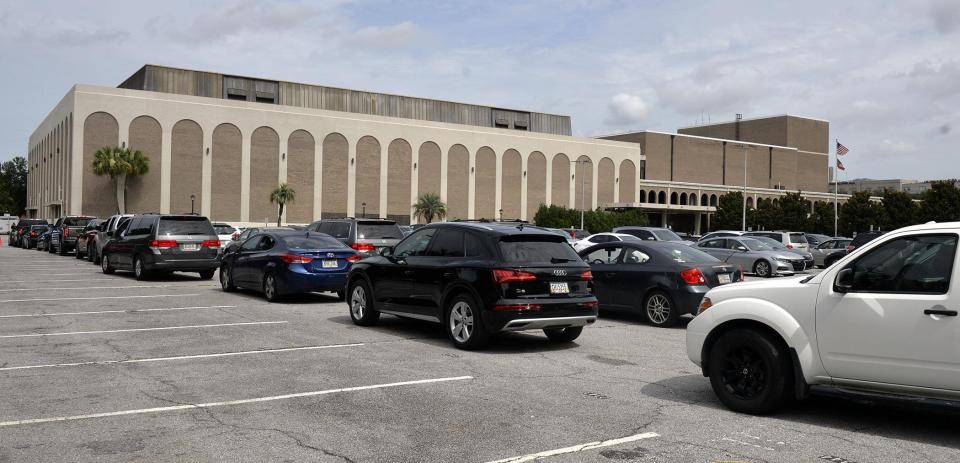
(583,189)
(364,206)
(192,199)
(743,223)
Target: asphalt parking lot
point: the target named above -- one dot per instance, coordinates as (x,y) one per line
(106,368)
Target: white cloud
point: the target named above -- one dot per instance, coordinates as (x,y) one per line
(945,15)
(394,36)
(625,109)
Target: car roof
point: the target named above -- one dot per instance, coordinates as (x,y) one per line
(498,228)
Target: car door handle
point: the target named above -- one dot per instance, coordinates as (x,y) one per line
(945,313)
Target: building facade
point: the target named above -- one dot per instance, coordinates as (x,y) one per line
(223,155)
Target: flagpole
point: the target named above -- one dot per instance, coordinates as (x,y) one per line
(836,182)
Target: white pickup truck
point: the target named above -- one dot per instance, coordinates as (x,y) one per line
(882,320)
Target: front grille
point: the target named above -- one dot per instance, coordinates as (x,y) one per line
(798,265)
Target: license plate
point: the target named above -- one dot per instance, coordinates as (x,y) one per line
(559,288)
(189,247)
(330,264)
(724,278)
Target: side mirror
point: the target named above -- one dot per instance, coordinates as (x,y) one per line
(387,251)
(844,281)
(741,249)
(651,239)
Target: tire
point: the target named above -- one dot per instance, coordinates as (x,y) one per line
(270,290)
(91,253)
(139,272)
(61,249)
(207,274)
(830,261)
(463,324)
(79,254)
(563,334)
(363,309)
(105,266)
(341,295)
(96,257)
(659,309)
(750,371)
(226,280)
(49,247)
(761,268)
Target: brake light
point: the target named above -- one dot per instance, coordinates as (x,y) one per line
(705,304)
(66,232)
(362,247)
(210,244)
(517,307)
(354,258)
(692,276)
(33,233)
(163,244)
(295,259)
(789,246)
(510,276)
(588,275)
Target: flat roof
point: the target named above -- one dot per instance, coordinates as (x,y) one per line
(758,118)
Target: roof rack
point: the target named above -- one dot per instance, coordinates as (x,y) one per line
(483,220)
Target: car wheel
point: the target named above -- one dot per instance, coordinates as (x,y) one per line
(829,261)
(226,282)
(762,269)
(341,295)
(50,248)
(363,311)
(62,250)
(96,257)
(79,254)
(105,265)
(207,274)
(563,334)
(91,252)
(750,372)
(463,324)
(659,310)
(138,271)
(270,288)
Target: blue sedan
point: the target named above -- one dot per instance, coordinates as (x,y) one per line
(284,262)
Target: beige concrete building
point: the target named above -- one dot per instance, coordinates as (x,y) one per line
(228,141)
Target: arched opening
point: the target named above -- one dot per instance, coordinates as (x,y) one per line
(652,197)
(683,199)
(264,173)
(301,149)
(674,198)
(366,202)
(662,197)
(226,165)
(713,200)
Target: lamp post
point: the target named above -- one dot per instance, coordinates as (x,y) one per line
(192,199)
(364,206)
(501,215)
(583,189)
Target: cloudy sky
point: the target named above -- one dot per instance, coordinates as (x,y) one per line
(886,74)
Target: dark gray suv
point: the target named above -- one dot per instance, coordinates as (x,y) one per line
(366,236)
(161,243)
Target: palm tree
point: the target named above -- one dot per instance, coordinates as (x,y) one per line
(429,206)
(120,164)
(280,196)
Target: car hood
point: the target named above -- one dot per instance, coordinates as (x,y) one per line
(756,288)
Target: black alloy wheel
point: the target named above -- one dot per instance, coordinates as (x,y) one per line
(750,371)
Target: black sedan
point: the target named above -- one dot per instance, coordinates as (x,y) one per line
(660,280)
(284,262)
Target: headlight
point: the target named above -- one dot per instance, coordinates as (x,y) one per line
(705,304)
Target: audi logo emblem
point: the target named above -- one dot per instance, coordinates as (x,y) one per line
(330,254)
(560,273)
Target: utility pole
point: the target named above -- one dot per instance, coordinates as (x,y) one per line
(743,224)
(583,189)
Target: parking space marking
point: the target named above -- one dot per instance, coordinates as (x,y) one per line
(98,312)
(57,281)
(183,357)
(578,448)
(86,287)
(130,330)
(231,402)
(97,298)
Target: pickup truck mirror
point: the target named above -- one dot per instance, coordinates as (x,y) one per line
(844,281)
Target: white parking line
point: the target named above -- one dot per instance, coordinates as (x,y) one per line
(130,330)
(97,298)
(182,357)
(231,402)
(86,287)
(578,448)
(60,275)
(98,312)
(57,281)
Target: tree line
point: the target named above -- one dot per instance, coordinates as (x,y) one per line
(941,203)
(597,221)
(13,186)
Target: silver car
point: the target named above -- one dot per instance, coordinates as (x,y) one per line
(826,253)
(778,246)
(753,256)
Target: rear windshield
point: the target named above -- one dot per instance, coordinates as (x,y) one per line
(76,221)
(755,245)
(38,227)
(378,231)
(666,235)
(798,238)
(769,242)
(683,253)
(537,249)
(312,242)
(223,229)
(185,226)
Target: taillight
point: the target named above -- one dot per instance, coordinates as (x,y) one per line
(362,247)
(295,259)
(517,307)
(163,244)
(510,276)
(705,304)
(692,276)
(210,244)
(66,232)
(589,305)
(354,258)
(789,246)
(33,233)
(588,275)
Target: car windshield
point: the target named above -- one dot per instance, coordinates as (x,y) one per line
(683,253)
(528,249)
(185,226)
(312,242)
(76,221)
(223,229)
(754,245)
(769,242)
(666,235)
(378,231)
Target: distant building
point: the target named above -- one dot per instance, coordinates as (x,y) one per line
(877,187)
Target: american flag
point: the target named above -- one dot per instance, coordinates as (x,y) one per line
(841,150)
(840,165)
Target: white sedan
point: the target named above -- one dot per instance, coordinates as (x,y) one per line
(600,238)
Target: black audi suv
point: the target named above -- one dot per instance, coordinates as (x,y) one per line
(476,279)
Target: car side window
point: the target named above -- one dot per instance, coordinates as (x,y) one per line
(732,244)
(600,239)
(645,235)
(251,243)
(606,255)
(828,245)
(339,230)
(471,245)
(266,243)
(449,243)
(635,256)
(415,244)
(910,264)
